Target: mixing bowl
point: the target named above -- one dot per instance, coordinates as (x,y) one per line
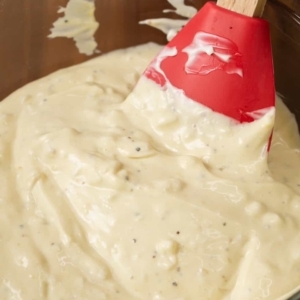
(27,54)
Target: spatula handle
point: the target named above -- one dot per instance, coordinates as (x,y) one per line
(251,8)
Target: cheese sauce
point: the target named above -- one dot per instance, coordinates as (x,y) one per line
(78,23)
(105,196)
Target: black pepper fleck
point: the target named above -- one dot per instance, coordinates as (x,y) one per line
(224,224)
(134,240)
(66,21)
(138,149)
(127,178)
(174,283)
(178,232)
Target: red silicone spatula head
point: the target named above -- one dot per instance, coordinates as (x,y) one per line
(221,59)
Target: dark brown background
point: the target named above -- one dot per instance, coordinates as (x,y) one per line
(27,54)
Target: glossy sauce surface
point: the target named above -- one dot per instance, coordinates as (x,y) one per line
(145,198)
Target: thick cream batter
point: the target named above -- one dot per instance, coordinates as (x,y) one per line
(149,198)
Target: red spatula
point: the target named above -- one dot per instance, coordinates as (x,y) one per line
(222,59)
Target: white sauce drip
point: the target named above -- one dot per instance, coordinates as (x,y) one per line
(209,52)
(181,9)
(169,26)
(78,23)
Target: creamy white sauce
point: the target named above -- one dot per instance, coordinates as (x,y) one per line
(144,198)
(208,53)
(181,8)
(169,26)
(79,24)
